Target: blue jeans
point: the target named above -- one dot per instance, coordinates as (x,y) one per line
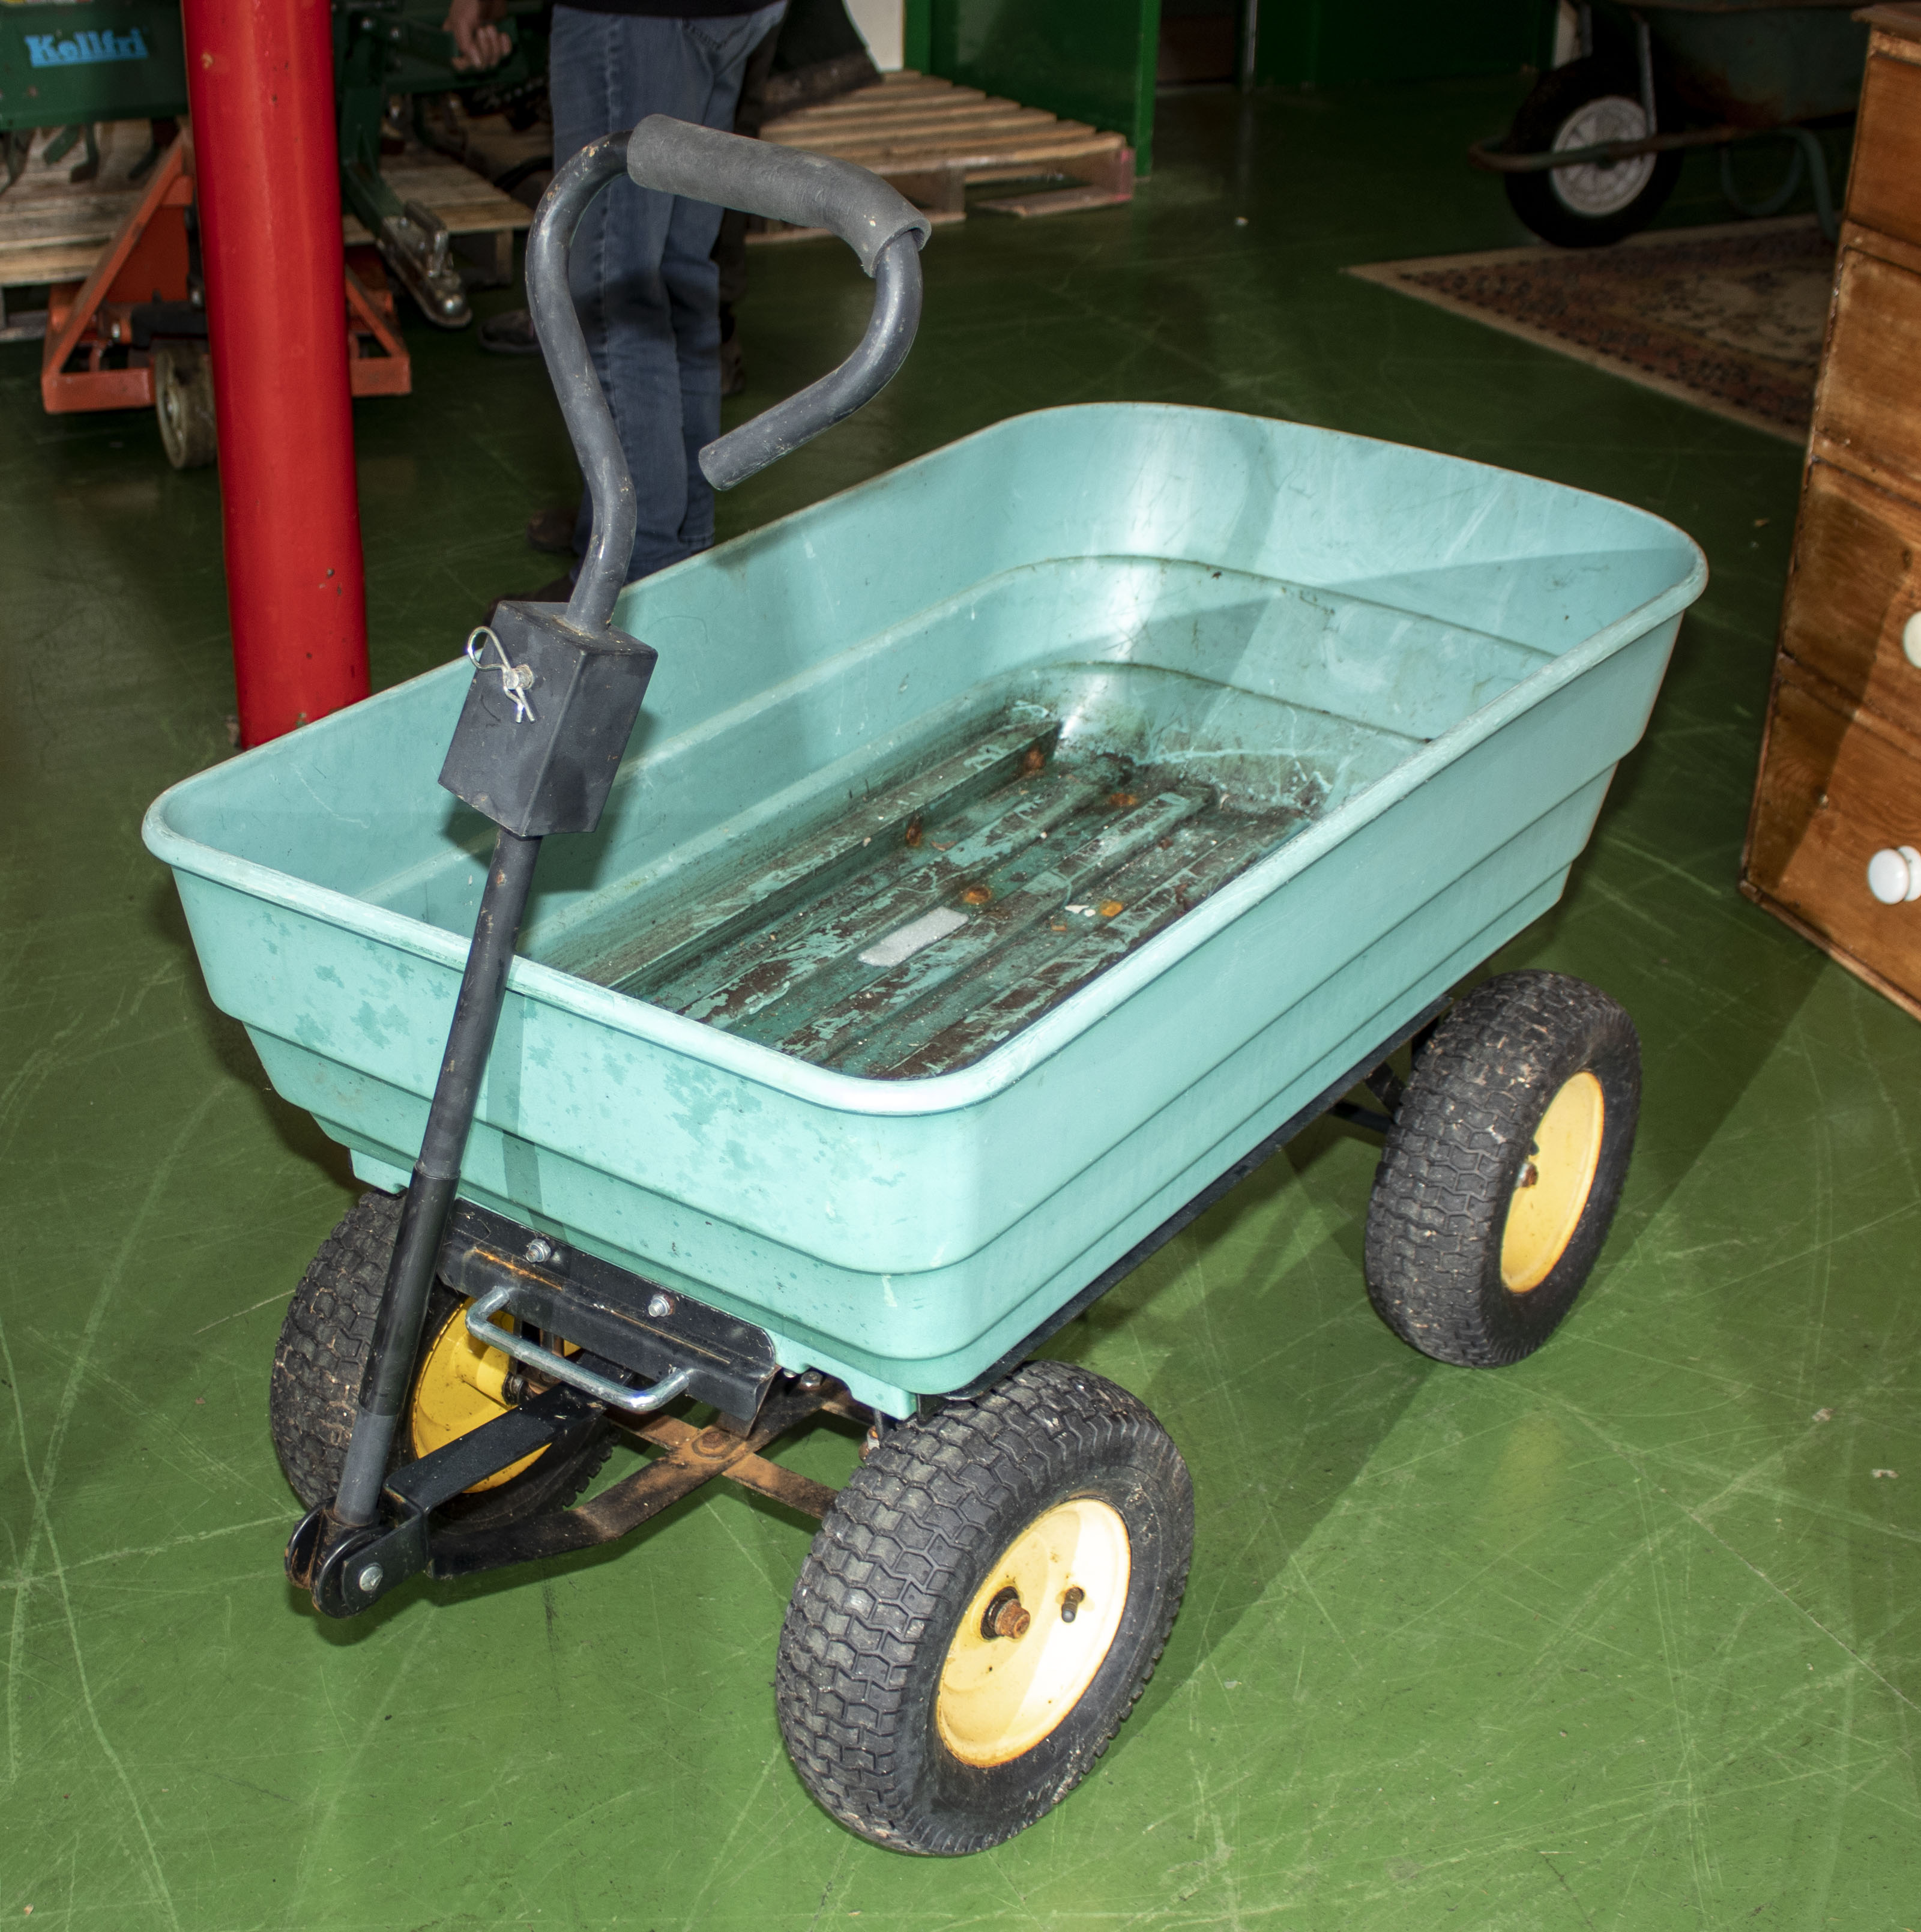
(640,263)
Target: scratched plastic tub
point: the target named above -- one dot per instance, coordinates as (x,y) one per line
(1379,692)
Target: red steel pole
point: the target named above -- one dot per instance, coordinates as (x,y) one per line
(266,166)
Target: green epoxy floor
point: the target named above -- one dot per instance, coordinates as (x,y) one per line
(1624,1637)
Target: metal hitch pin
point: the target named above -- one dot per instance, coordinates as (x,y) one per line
(517,680)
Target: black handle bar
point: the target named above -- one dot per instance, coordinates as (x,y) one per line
(882,227)
(593,684)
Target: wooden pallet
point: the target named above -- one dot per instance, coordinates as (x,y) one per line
(52,230)
(491,146)
(934,140)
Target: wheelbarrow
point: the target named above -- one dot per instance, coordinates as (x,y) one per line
(1013,852)
(1596,148)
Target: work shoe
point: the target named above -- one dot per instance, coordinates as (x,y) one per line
(552,531)
(511,334)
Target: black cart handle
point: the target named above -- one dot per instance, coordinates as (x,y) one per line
(558,780)
(783,184)
(881,226)
(811,191)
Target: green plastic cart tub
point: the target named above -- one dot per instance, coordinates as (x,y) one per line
(1400,681)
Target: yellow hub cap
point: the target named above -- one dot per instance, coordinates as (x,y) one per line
(1547,1202)
(1037,1630)
(462,1384)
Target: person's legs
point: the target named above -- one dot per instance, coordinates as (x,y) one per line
(731,250)
(692,276)
(606,71)
(650,312)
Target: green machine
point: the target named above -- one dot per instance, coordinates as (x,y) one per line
(384,53)
(70,64)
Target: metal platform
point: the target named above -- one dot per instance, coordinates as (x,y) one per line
(942,913)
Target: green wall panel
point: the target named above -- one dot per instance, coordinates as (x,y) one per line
(1328,43)
(1090,60)
(917,35)
(106,60)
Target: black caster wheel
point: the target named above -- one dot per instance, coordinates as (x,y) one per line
(1588,101)
(184,402)
(459,1385)
(1501,1172)
(981,1609)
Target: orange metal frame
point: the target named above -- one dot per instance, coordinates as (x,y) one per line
(146,261)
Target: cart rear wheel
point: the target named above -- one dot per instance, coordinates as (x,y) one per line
(323,1347)
(984,1603)
(184,402)
(1501,1173)
(1577,106)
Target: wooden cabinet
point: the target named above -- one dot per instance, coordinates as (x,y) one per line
(1868,404)
(1838,780)
(1858,565)
(1884,190)
(1840,763)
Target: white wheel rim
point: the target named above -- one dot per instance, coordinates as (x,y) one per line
(1001,1695)
(1592,188)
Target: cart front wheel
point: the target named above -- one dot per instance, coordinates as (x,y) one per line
(315,1387)
(1580,105)
(983,1605)
(1501,1173)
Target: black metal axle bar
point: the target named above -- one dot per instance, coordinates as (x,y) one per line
(1607,153)
(354,1569)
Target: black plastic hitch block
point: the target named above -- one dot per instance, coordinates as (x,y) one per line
(546,719)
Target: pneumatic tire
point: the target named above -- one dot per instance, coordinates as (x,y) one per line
(1585,102)
(1501,1173)
(984,1604)
(315,1387)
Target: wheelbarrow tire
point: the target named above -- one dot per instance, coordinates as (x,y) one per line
(887,1690)
(315,1387)
(1500,1175)
(1592,206)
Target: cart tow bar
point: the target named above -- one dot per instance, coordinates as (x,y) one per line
(539,741)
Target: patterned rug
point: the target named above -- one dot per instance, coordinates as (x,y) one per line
(1730,318)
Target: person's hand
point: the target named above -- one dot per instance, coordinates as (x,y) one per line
(481,44)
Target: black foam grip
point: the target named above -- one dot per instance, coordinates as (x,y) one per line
(783,184)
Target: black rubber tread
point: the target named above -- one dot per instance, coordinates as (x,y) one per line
(314,1386)
(1541,117)
(1454,1155)
(324,1341)
(898,1559)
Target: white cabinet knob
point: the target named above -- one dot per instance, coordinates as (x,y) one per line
(1894,874)
(1911,639)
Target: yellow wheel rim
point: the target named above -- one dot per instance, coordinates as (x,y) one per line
(462,1384)
(1554,1185)
(1001,1694)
